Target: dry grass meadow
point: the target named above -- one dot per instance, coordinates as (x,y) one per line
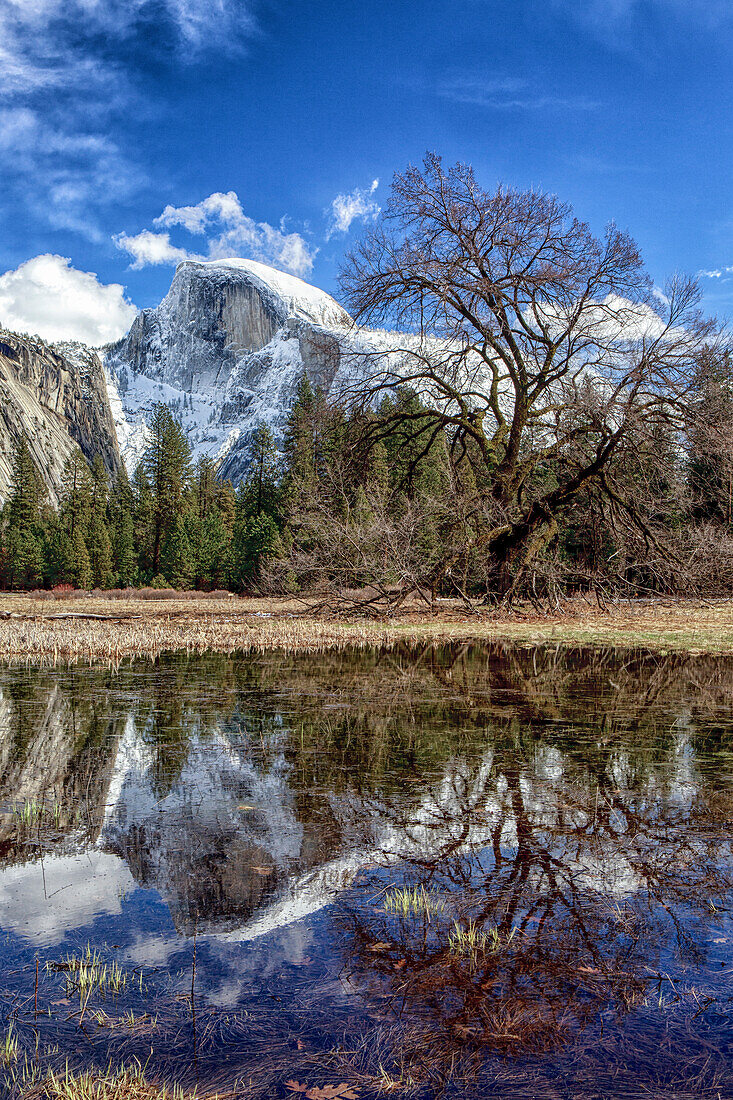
(94,627)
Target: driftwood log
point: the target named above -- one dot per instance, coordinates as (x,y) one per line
(68,615)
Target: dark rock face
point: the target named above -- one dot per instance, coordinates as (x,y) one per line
(198,331)
(226,349)
(55,395)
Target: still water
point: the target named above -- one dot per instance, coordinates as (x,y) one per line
(458,871)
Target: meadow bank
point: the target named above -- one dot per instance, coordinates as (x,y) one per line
(89,627)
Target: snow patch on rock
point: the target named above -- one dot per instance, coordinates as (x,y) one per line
(225,350)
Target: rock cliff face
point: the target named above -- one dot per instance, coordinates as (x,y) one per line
(56,396)
(225,349)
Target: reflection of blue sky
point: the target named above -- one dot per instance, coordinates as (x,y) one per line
(228,973)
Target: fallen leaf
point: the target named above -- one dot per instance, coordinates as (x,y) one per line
(464,1032)
(344,1091)
(332,1092)
(400,964)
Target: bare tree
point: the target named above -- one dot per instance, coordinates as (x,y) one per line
(541,350)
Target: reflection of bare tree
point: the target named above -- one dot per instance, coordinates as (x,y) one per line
(542,903)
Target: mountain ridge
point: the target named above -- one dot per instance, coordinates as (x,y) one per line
(226,349)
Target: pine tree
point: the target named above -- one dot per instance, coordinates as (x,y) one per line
(178,558)
(299,444)
(226,503)
(167,464)
(23,556)
(76,494)
(213,551)
(258,542)
(58,554)
(27,491)
(100,552)
(313,446)
(260,491)
(143,518)
(98,542)
(206,485)
(80,571)
(121,505)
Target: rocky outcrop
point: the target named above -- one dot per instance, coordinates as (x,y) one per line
(55,395)
(226,349)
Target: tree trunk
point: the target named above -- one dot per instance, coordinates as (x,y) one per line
(518,548)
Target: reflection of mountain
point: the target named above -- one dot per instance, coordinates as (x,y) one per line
(250,793)
(53,753)
(221,841)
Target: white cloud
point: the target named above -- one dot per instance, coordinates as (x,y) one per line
(70,173)
(148,248)
(44,42)
(48,297)
(509,93)
(616,22)
(229,232)
(222,207)
(716,273)
(358,205)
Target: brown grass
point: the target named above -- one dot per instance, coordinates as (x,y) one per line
(122,1085)
(143,626)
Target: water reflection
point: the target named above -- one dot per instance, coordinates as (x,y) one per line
(541,903)
(562,818)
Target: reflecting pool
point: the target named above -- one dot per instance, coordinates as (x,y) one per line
(471,870)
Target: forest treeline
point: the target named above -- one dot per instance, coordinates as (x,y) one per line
(349,503)
(176,523)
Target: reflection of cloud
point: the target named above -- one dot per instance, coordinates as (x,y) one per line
(44,901)
(234,973)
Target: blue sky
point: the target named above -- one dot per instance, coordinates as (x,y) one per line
(135,132)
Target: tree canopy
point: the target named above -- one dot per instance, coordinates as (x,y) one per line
(541,351)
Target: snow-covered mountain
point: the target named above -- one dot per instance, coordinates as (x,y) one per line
(226,349)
